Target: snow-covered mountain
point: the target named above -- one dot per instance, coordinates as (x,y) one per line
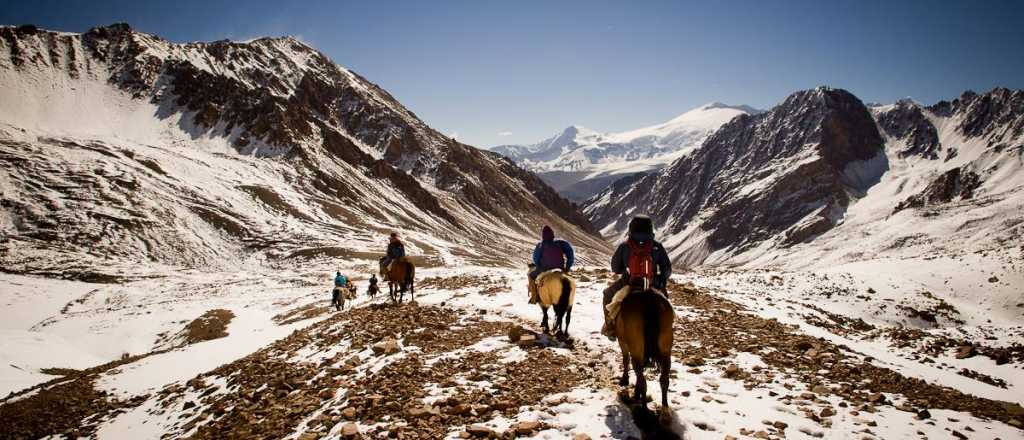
(822,180)
(172,216)
(118,146)
(580,162)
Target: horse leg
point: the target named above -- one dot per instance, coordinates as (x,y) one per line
(558,323)
(568,317)
(665,364)
(624,380)
(640,389)
(544,322)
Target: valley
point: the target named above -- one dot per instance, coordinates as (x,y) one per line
(172,216)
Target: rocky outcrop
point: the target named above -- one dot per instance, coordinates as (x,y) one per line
(997,115)
(953,184)
(907,122)
(779,172)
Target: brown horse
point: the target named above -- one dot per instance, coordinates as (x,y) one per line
(400,277)
(644,330)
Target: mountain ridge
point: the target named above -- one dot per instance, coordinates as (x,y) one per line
(330,146)
(712,209)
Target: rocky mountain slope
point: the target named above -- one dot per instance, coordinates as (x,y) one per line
(123,147)
(580,162)
(822,166)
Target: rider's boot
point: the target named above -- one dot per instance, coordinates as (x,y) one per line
(608,329)
(533,291)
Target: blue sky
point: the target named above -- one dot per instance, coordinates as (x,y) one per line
(514,72)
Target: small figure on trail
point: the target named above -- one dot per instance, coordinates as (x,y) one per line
(549,254)
(395,251)
(642,263)
(373,289)
(341,285)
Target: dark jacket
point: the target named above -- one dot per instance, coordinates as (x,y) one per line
(554,254)
(396,250)
(620,263)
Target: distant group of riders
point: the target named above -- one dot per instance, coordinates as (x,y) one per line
(394,268)
(636,308)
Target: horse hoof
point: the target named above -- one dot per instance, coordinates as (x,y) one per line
(665,415)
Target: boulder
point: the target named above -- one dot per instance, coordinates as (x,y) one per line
(527,427)
(387,346)
(349,413)
(461,409)
(479,431)
(731,371)
(516,332)
(965,351)
(421,411)
(349,431)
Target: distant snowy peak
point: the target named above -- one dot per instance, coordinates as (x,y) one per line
(579,148)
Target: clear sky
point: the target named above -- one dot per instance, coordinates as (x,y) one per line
(493,72)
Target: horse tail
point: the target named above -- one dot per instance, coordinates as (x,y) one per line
(652,330)
(563,300)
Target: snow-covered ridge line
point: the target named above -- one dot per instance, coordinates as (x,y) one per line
(579,162)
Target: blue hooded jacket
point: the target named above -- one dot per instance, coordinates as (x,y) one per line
(558,252)
(340,280)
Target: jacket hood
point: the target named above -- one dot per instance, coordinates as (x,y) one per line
(641,229)
(547,234)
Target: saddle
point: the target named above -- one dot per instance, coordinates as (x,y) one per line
(547,275)
(629,290)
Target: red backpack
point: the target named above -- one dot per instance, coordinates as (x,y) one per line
(641,262)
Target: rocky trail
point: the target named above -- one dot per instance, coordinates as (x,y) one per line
(462,362)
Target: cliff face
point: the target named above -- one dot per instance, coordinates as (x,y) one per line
(781,171)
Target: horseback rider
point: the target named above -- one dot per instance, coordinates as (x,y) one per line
(395,251)
(373,284)
(340,280)
(549,254)
(642,262)
(341,283)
